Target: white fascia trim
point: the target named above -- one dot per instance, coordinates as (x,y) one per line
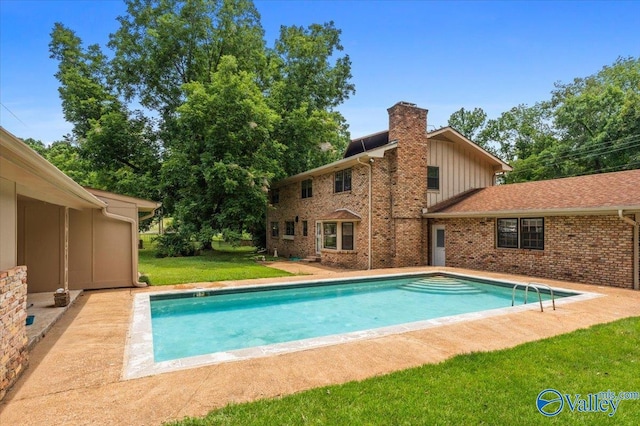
(336,165)
(28,159)
(600,211)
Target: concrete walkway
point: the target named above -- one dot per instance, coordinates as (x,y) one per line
(75,371)
(45,314)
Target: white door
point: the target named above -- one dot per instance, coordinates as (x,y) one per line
(318,237)
(438,253)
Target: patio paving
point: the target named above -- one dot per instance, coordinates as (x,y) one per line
(75,372)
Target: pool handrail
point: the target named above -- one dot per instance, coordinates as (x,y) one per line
(526,291)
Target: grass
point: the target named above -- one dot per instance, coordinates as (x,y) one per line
(498,387)
(221,264)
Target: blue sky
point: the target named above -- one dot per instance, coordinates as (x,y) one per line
(439,55)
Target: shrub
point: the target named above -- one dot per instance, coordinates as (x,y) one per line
(175,244)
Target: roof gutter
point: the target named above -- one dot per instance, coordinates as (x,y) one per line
(606,210)
(340,164)
(32,162)
(636,247)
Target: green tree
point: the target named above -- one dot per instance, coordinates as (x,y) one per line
(591,125)
(163,44)
(469,123)
(66,156)
(229,114)
(36,145)
(119,145)
(307,81)
(599,117)
(222,157)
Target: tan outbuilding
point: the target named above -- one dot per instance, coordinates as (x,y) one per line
(67,236)
(55,234)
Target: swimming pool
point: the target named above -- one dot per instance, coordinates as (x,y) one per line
(207,326)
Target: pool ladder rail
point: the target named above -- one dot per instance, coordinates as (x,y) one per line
(537,289)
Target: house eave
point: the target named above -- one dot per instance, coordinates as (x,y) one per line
(589,211)
(336,165)
(142,204)
(36,178)
(499,166)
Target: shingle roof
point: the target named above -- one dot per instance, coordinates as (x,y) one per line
(341,214)
(583,193)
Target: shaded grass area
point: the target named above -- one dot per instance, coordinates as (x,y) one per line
(493,388)
(222,264)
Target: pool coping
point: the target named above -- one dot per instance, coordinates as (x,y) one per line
(139,358)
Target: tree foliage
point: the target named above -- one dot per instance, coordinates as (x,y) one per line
(163,44)
(591,125)
(219,164)
(222,114)
(469,123)
(118,145)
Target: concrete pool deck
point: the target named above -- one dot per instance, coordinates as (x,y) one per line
(75,372)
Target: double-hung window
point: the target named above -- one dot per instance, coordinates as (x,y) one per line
(524,233)
(275,230)
(532,233)
(275,196)
(338,235)
(347,235)
(289,228)
(307,188)
(433,178)
(330,235)
(342,180)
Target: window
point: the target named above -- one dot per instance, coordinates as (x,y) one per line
(289,228)
(347,236)
(275,196)
(508,233)
(532,233)
(433,177)
(305,228)
(275,229)
(330,235)
(338,235)
(307,189)
(343,180)
(525,233)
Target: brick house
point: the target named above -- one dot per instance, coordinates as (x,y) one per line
(582,229)
(365,211)
(409,197)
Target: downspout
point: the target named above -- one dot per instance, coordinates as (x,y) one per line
(636,248)
(134,244)
(66,249)
(369,214)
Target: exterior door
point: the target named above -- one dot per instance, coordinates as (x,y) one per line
(438,254)
(318,237)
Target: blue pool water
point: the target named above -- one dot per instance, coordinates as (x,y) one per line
(216,321)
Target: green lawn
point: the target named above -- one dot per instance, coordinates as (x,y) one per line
(224,263)
(492,388)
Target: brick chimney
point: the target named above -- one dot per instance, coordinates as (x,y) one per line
(408,126)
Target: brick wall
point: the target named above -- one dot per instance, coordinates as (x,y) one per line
(408,125)
(399,188)
(323,201)
(13,315)
(586,249)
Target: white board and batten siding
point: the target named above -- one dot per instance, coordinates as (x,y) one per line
(460,170)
